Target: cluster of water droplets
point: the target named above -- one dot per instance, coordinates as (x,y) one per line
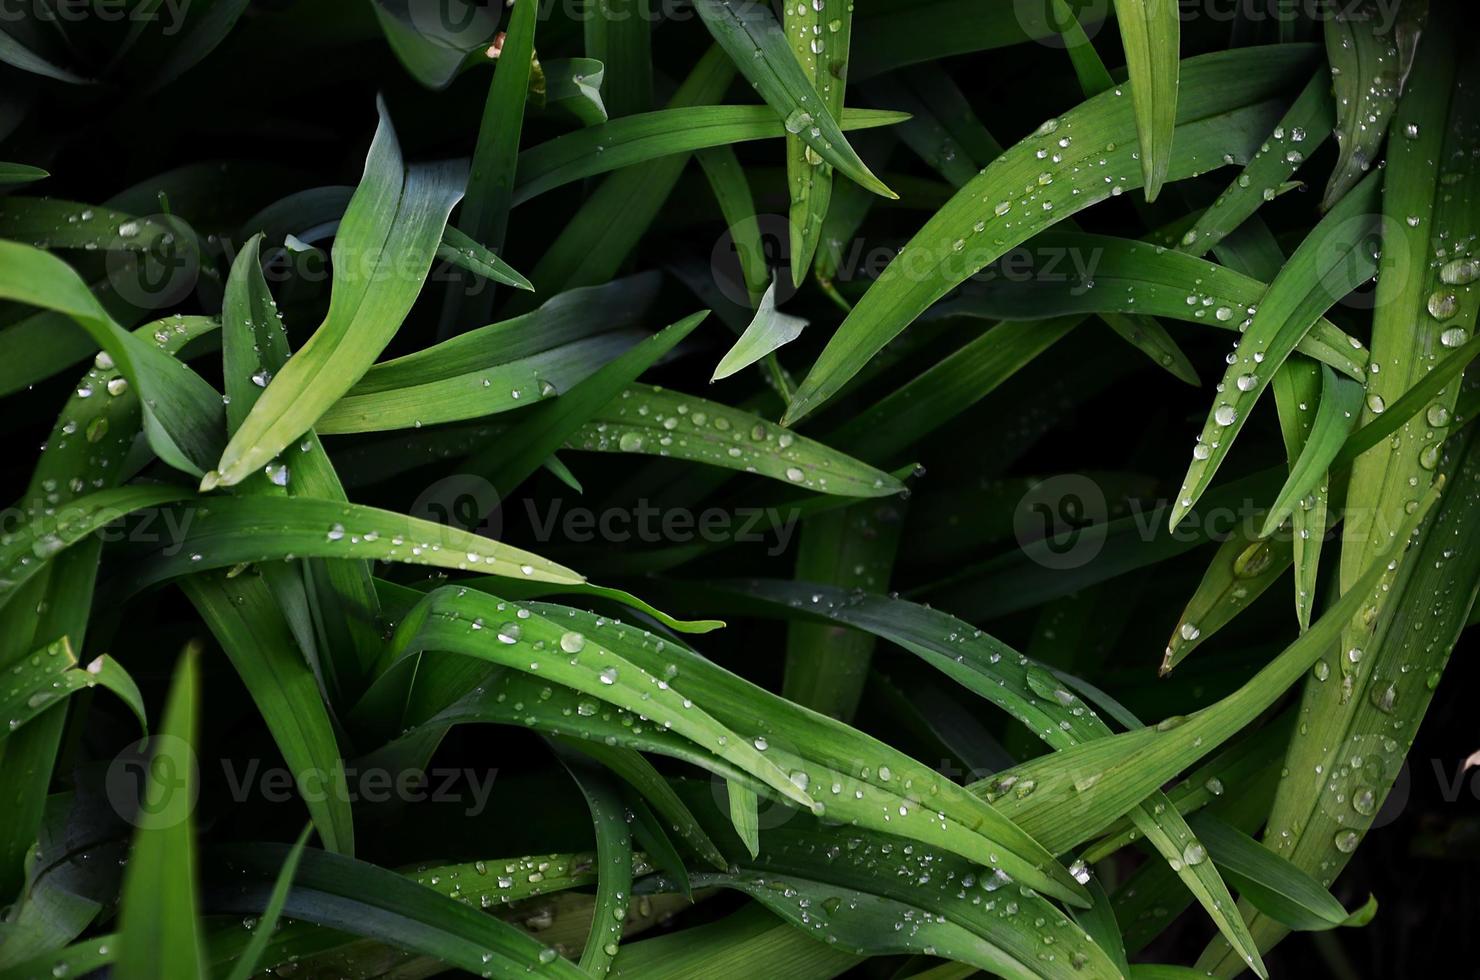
(649,420)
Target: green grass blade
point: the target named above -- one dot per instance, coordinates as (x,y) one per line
(1297,397)
(863,923)
(1032,695)
(1152,339)
(661,133)
(1366,77)
(647,419)
(1094,77)
(769,330)
(949,387)
(1338,255)
(1297,387)
(1431,190)
(573,86)
(1272,884)
(469,254)
(470,623)
(232,530)
(817,751)
(483,216)
(182,412)
(732,193)
(12,174)
(159,928)
(430,48)
(1097,780)
(819,36)
(51,674)
(1135,276)
(1430,602)
(744,944)
(364,900)
(486,385)
(1151,31)
(1300,132)
(57,601)
(1340,404)
(827,668)
(1241,570)
(946,133)
(637,772)
(336,635)
(618,35)
(613,861)
(1223,111)
(547,427)
(499,367)
(890,34)
(246,963)
(1425,395)
(384,249)
(745,815)
(17,55)
(753,39)
(26,552)
(992,923)
(593,246)
(243,616)
(943,129)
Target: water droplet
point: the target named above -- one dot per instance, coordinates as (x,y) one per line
(798,120)
(1460,272)
(1443,304)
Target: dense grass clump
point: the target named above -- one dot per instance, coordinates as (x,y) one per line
(701,489)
